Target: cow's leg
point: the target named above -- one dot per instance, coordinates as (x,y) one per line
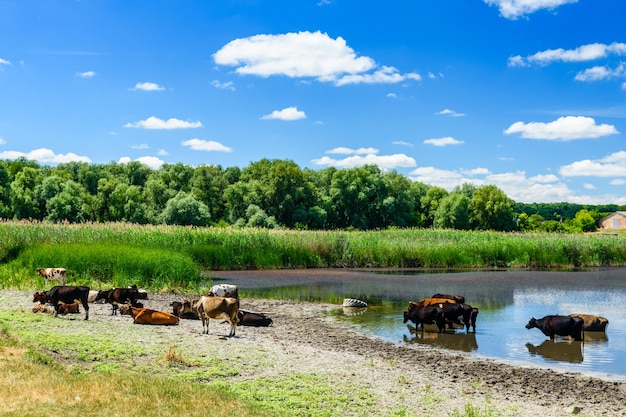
(56,309)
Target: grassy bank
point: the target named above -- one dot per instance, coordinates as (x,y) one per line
(170,256)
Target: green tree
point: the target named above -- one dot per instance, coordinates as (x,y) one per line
(23,196)
(491,209)
(5,192)
(67,205)
(430,203)
(185,210)
(453,212)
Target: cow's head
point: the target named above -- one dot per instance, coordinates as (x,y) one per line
(39,296)
(531,323)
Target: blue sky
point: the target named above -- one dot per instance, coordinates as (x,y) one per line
(529,95)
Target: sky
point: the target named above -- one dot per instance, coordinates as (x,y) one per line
(527,95)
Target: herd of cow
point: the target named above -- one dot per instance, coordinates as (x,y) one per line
(450,310)
(221,302)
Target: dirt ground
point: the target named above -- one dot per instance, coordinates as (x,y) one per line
(415,377)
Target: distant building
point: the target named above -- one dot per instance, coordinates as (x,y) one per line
(616,220)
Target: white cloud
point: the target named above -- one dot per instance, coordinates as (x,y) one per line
(228,85)
(162,152)
(448,112)
(150,161)
(349,151)
(443,141)
(588,186)
(306,54)
(401,143)
(564,128)
(2,141)
(156,123)
(287,114)
(383,161)
(206,145)
(86,74)
(147,86)
(601,73)
(140,146)
(4,62)
(618,181)
(45,156)
(613,165)
(589,52)
(392,95)
(475,171)
(513,9)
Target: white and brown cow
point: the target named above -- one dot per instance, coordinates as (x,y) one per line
(223,290)
(217,308)
(53,274)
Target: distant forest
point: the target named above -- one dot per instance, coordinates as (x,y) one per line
(269,194)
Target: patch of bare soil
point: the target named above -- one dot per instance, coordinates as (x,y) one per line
(420,379)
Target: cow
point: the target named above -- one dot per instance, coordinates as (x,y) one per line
(39,297)
(454,313)
(457,298)
(53,274)
(434,301)
(557,325)
(218,308)
(184,310)
(223,290)
(69,308)
(249,318)
(148,316)
(419,314)
(472,320)
(592,323)
(116,296)
(68,295)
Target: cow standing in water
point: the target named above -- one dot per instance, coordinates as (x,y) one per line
(557,325)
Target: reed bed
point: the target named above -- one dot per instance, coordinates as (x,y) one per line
(174,256)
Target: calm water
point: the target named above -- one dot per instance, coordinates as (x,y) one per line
(506,299)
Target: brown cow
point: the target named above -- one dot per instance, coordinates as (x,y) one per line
(592,323)
(457,298)
(218,308)
(69,308)
(53,274)
(149,316)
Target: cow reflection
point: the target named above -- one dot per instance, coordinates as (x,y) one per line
(454,341)
(563,351)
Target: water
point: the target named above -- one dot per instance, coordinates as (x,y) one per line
(506,299)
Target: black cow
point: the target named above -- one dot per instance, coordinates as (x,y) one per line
(425,315)
(559,326)
(117,296)
(184,311)
(68,295)
(248,318)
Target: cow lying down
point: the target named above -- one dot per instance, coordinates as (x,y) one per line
(249,318)
(143,315)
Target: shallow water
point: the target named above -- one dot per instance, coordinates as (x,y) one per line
(506,299)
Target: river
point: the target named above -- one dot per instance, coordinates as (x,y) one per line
(507,299)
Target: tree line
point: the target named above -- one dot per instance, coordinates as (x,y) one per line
(271,194)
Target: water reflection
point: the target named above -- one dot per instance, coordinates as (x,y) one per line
(447,340)
(558,350)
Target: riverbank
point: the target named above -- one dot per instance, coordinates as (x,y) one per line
(396,379)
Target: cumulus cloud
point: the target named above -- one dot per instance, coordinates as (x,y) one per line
(45,156)
(516,185)
(601,73)
(156,123)
(150,161)
(147,86)
(564,128)
(306,55)
(589,52)
(613,165)
(86,74)
(206,145)
(4,62)
(513,9)
(349,151)
(287,114)
(443,141)
(383,161)
(451,113)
